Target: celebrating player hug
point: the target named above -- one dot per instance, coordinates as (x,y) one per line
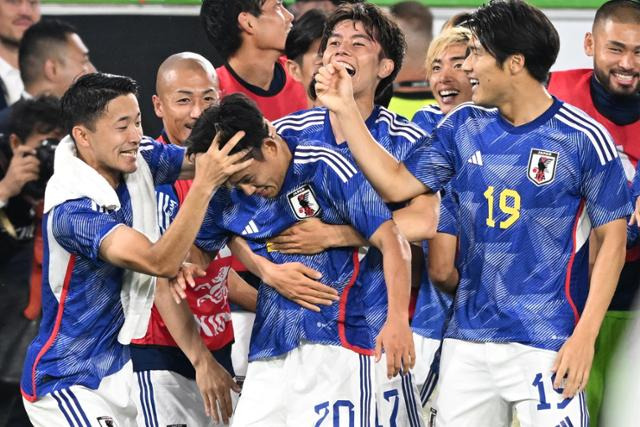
(454,268)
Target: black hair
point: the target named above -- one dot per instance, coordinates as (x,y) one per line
(417,15)
(37,115)
(306,29)
(235,112)
(625,11)
(509,27)
(86,100)
(40,42)
(220,21)
(378,26)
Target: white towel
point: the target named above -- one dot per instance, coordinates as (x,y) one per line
(74,179)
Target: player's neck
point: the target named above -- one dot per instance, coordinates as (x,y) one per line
(9,52)
(365,106)
(525,103)
(254,66)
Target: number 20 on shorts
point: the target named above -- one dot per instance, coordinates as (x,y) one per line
(508,202)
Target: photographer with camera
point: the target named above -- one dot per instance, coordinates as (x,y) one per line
(26,163)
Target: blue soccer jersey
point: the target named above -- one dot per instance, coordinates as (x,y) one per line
(633,233)
(322,183)
(81,309)
(398,137)
(528,197)
(428,117)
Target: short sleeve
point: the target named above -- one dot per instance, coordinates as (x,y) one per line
(357,202)
(448,222)
(426,120)
(603,185)
(164,160)
(212,235)
(433,163)
(80,226)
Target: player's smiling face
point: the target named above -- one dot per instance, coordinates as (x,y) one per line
(487,78)
(112,146)
(272,26)
(448,81)
(350,45)
(615,48)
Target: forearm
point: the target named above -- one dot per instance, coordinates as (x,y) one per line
(340,236)
(396,262)
(388,176)
(604,278)
(419,220)
(441,262)
(242,293)
(256,264)
(181,324)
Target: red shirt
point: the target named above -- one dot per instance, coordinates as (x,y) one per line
(280,100)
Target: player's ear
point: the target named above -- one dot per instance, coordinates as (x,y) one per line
(386,68)
(516,63)
(588,44)
(294,70)
(157,105)
(245,22)
(269,147)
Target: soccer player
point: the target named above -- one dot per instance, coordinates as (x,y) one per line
(250,36)
(610,94)
(532,176)
(98,263)
(186,85)
(363,37)
(288,184)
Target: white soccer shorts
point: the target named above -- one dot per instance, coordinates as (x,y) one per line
(426,378)
(166,398)
(480,384)
(110,405)
(312,385)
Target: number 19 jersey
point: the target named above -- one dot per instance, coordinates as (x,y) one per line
(528,197)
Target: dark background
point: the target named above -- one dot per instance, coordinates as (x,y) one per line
(136,45)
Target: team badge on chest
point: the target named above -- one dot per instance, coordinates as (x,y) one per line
(542,166)
(303,202)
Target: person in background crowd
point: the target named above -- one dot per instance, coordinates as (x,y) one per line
(250,35)
(16,16)
(301,7)
(610,93)
(302,48)
(411,90)
(186,85)
(51,57)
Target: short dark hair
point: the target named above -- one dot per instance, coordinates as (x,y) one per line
(378,26)
(220,21)
(40,42)
(509,27)
(624,11)
(306,29)
(86,100)
(235,112)
(37,115)
(417,15)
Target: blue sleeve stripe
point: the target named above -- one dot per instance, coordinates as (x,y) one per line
(594,124)
(300,117)
(298,127)
(599,136)
(600,146)
(339,158)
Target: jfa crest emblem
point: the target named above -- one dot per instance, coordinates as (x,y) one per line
(542,166)
(303,202)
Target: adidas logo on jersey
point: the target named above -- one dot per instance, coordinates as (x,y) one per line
(250,228)
(476,159)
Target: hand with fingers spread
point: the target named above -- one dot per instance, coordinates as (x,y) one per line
(299,283)
(573,364)
(186,275)
(334,88)
(215,384)
(396,340)
(214,167)
(23,168)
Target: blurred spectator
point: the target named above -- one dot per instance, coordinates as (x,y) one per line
(455,20)
(301,7)
(250,36)
(411,90)
(610,94)
(26,162)
(52,55)
(302,48)
(15,17)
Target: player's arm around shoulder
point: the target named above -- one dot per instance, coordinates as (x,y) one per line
(395,337)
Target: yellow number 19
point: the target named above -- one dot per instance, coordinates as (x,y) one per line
(512,209)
